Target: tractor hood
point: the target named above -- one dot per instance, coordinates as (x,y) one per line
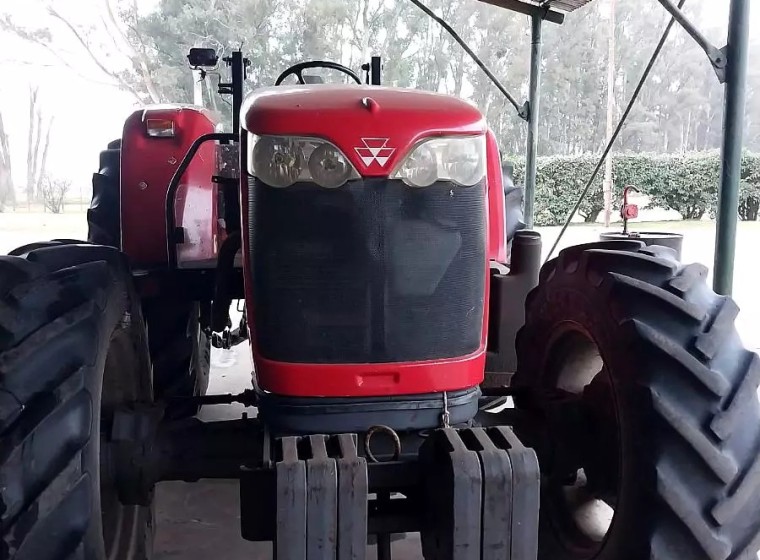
(360,120)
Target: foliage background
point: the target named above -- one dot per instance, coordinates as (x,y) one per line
(140,47)
(686,183)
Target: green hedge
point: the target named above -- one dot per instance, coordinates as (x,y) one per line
(749,192)
(686,183)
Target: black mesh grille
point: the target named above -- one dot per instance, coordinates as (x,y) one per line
(374,271)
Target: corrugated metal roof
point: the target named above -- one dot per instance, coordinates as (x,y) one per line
(566,5)
(563,5)
(550,10)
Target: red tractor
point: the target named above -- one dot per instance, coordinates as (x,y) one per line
(365,229)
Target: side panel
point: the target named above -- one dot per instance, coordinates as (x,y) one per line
(147,166)
(497,230)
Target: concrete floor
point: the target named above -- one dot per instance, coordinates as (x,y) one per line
(200,521)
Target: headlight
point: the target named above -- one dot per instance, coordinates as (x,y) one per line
(277,161)
(281,161)
(328,166)
(420,168)
(459,159)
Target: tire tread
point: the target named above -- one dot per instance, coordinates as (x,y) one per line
(720,463)
(725,421)
(701,387)
(708,343)
(59,306)
(680,501)
(711,380)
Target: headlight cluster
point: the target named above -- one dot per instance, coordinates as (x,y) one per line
(461,160)
(280,161)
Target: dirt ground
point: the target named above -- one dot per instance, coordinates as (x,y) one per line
(198,521)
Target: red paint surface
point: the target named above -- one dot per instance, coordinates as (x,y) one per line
(497,224)
(152,161)
(366,380)
(349,116)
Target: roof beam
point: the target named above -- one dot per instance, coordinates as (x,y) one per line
(542,12)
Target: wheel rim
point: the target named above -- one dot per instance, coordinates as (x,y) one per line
(120,524)
(581,492)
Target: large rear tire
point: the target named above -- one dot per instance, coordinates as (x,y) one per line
(179,349)
(665,399)
(72,350)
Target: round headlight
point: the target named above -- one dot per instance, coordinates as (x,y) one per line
(278,162)
(464,161)
(420,169)
(329,168)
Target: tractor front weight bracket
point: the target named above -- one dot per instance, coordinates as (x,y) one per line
(482,495)
(472,493)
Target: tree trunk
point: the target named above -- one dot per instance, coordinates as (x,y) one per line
(36,149)
(30,147)
(610,116)
(459,73)
(43,161)
(36,155)
(687,135)
(7,189)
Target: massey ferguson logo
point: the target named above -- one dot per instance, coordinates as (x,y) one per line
(375,150)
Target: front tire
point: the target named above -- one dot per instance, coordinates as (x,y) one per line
(72,350)
(665,401)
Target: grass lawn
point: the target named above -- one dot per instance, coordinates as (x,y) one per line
(23,226)
(698,246)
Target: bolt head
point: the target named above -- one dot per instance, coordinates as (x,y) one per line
(142,185)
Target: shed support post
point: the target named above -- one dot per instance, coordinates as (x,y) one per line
(731,155)
(533,116)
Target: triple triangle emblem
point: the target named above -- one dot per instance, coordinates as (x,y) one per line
(375,150)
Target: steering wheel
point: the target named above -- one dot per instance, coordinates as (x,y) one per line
(297,70)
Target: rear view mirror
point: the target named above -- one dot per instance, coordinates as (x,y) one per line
(202,58)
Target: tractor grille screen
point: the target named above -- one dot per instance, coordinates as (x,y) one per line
(373,271)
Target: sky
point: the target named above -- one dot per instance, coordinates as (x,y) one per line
(89,113)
